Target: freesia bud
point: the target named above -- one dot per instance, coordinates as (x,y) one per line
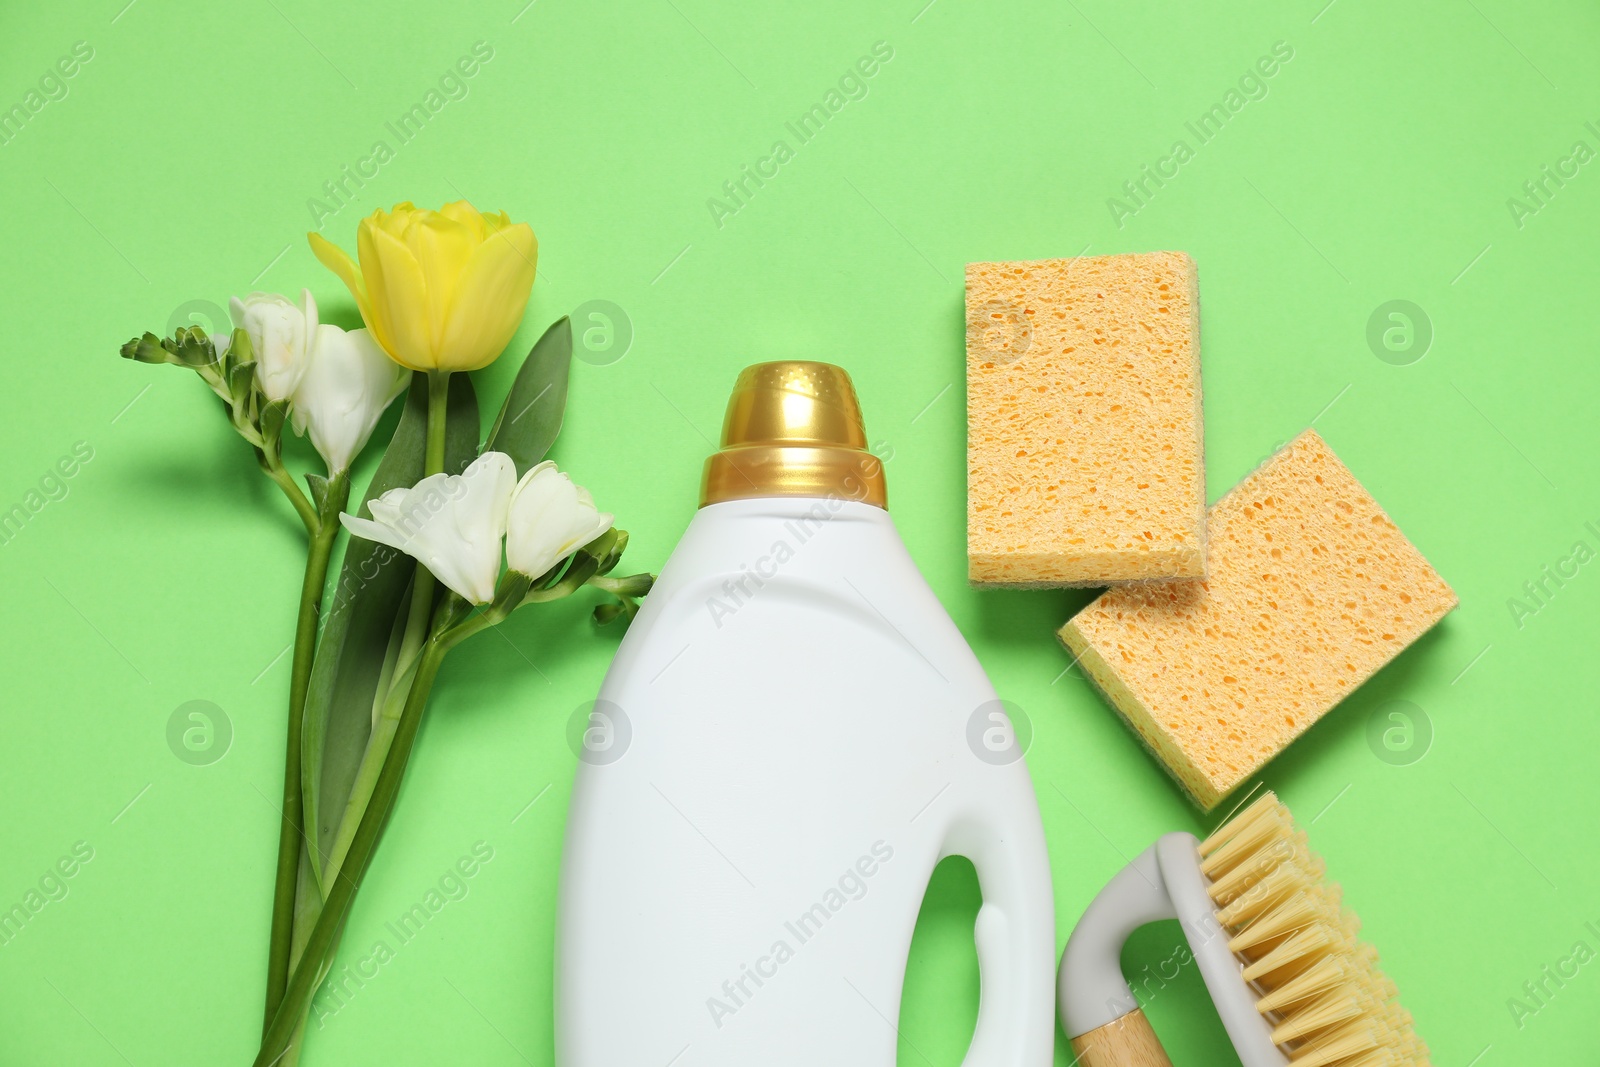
(440,290)
(453,524)
(281,334)
(550,519)
(347,383)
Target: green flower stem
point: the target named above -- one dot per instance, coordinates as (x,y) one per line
(379,745)
(275,470)
(291,831)
(438,407)
(291,1055)
(307,906)
(378,789)
(296,1000)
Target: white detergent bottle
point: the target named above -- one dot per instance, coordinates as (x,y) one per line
(792,736)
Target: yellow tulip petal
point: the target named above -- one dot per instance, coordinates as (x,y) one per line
(399,297)
(443,247)
(491,297)
(372,278)
(338,260)
(395,220)
(463,212)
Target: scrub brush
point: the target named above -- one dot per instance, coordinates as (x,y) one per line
(1278,953)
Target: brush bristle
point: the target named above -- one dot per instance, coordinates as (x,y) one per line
(1318,987)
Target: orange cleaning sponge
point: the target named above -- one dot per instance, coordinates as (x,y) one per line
(1084,443)
(1311,590)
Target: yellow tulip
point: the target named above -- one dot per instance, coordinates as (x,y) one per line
(439,290)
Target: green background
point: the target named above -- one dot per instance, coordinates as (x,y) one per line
(1377,167)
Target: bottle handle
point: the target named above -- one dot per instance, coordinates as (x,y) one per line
(1015,938)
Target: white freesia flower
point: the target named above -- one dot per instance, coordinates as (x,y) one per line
(550,519)
(451,523)
(347,383)
(281,334)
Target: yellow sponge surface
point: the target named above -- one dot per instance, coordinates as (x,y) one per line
(1311,589)
(1084,440)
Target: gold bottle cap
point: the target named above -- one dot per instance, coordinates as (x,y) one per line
(793,428)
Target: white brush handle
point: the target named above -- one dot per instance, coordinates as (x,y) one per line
(1098,1010)
(1090,989)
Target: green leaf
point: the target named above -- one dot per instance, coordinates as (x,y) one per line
(391,656)
(531,416)
(361,614)
(463,428)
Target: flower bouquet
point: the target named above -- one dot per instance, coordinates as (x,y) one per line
(451,535)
